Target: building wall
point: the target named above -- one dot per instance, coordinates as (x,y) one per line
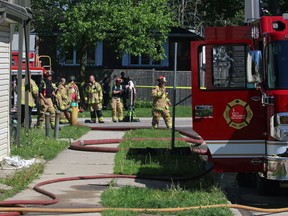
(4,90)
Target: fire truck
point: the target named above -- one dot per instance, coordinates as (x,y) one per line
(38,65)
(240,99)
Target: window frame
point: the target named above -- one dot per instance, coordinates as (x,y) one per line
(212,87)
(98,57)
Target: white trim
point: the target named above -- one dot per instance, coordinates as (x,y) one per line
(238,156)
(33,72)
(276,147)
(236,148)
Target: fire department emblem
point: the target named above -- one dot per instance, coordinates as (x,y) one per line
(238,114)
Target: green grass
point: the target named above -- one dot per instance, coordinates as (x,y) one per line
(174,197)
(73,132)
(164,163)
(181,111)
(20,180)
(35,145)
(196,193)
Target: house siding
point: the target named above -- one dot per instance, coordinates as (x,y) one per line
(4,90)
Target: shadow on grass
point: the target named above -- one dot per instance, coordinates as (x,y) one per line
(178,166)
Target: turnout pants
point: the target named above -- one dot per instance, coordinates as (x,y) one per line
(46,108)
(117,107)
(96,110)
(165,114)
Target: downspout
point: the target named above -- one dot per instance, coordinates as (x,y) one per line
(19,84)
(28,89)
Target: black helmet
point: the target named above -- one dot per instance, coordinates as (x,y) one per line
(72,78)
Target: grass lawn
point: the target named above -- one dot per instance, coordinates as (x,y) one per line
(36,145)
(133,197)
(164,164)
(181,111)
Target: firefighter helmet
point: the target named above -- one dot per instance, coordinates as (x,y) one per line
(118,80)
(47,73)
(162,78)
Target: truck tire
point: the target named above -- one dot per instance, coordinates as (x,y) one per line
(267,186)
(246,179)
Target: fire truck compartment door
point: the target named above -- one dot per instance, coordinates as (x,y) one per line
(227,110)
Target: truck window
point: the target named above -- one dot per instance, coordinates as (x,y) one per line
(276,55)
(223,66)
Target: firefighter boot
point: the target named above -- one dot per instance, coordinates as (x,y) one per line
(93,116)
(100,116)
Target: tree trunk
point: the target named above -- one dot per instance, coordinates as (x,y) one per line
(83,74)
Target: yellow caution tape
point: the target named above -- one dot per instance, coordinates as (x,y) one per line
(169,87)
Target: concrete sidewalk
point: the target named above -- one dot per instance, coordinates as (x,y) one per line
(70,163)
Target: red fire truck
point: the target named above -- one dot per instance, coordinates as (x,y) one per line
(240,98)
(38,65)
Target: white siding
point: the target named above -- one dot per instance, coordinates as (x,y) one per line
(4,89)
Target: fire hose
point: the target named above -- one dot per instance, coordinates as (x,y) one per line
(11,207)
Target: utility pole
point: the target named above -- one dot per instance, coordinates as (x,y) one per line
(174,97)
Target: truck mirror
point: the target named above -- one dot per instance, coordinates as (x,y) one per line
(254,66)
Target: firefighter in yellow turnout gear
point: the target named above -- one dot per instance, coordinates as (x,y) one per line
(32,96)
(46,93)
(94,97)
(161,104)
(116,103)
(62,102)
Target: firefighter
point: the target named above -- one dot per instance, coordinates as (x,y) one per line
(161,104)
(46,93)
(125,94)
(32,96)
(62,102)
(73,90)
(94,97)
(116,104)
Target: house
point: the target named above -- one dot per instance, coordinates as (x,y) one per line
(10,14)
(104,61)
(104,56)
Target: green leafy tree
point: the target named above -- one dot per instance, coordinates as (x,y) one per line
(136,27)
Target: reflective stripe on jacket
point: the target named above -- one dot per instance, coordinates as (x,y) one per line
(94,93)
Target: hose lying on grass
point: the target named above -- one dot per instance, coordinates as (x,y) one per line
(11,207)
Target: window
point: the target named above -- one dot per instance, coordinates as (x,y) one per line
(94,56)
(276,55)
(143,60)
(69,59)
(134,60)
(223,66)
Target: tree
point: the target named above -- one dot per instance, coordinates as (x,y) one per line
(197,14)
(136,27)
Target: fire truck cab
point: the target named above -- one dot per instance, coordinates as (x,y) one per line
(240,98)
(38,65)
